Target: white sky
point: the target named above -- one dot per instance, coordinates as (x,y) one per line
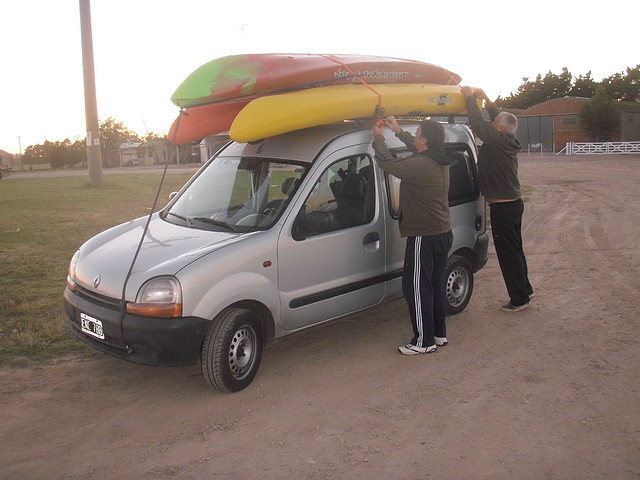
(143,49)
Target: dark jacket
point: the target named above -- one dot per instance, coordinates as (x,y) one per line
(424,187)
(497,157)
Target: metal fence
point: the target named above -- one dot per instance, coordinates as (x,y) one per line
(602,148)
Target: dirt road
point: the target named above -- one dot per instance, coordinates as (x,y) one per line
(552,392)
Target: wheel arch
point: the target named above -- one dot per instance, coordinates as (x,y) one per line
(262,313)
(465,252)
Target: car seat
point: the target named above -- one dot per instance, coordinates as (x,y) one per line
(289,184)
(351,201)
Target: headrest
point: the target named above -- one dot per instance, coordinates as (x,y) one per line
(354,186)
(288,185)
(457,157)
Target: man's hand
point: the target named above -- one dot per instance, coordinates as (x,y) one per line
(466,91)
(392,123)
(377,130)
(479,93)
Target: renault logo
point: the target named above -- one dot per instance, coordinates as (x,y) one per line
(96,281)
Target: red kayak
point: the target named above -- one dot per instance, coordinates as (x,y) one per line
(254,75)
(198,122)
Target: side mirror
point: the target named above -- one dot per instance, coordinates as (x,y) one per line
(298,231)
(314,223)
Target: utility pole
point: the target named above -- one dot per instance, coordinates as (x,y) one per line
(94,155)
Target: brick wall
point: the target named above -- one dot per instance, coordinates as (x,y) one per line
(566,121)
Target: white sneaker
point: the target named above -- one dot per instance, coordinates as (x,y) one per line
(414,350)
(441,341)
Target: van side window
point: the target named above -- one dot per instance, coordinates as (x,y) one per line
(462,178)
(343,197)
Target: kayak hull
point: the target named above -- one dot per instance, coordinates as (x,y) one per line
(253,75)
(276,114)
(196,123)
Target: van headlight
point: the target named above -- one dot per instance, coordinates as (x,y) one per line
(159,297)
(71,276)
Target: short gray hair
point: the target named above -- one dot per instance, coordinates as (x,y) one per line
(509,121)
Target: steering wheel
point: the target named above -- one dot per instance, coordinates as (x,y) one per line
(270,211)
(251,220)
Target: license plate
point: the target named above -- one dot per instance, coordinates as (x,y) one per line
(91,326)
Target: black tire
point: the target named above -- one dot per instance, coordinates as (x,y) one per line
(459,275)
(232,350)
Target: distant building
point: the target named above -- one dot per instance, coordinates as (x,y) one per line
(550,125)
(211,145)
(7,162)
(154,152)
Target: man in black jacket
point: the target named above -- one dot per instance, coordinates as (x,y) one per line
(498,179)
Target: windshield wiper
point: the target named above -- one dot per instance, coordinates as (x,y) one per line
(216,222)
(187,220)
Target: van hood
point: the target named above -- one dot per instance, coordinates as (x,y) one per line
(105,259)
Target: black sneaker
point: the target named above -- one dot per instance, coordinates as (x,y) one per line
(513,308)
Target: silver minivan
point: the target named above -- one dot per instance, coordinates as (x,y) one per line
(266,239)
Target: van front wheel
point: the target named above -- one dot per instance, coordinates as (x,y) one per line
(232,350)
(459,276)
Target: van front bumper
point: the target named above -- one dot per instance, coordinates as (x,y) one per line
(163,342)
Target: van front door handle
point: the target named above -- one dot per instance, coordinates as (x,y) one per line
(371,237)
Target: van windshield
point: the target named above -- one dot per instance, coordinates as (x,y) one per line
(238,194)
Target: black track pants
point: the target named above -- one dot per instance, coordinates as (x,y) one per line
(424,286)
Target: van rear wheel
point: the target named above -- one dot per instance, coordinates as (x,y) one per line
(459,286)
(232,350)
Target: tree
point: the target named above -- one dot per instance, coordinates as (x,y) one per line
(623,86)
(633,79)
(114,133)
(538,91)
(34,155)
(67,153)
(583,86)
(56,154)
(615,86)
(599,117)
(77,153)
(154,136)
(555,86)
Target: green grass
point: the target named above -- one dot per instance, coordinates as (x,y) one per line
(42,223)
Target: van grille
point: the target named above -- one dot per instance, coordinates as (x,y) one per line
(102,300)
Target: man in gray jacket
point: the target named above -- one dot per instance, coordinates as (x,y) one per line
(498,180)
(424,220)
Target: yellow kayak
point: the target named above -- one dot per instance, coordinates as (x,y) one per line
(276,114)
